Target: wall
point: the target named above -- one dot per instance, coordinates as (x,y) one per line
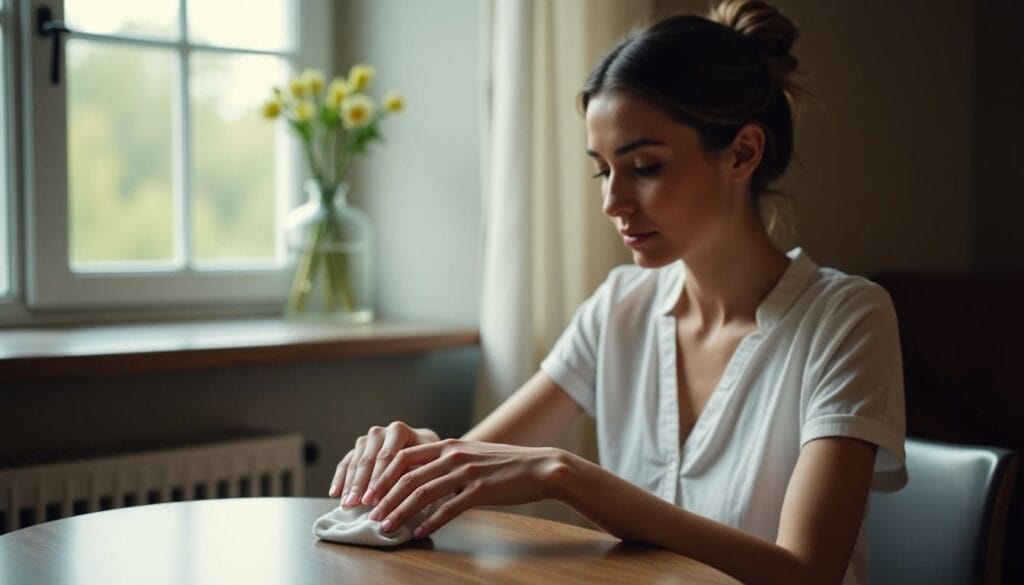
(998,132)
(330,404)
(422,186)
(886,173)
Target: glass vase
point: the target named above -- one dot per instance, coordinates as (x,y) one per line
(331,243)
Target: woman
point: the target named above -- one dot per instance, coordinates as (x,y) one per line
(746,399)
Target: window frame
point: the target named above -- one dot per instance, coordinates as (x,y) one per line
(8,201)
(49,282)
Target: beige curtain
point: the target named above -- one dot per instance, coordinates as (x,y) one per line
(547,243)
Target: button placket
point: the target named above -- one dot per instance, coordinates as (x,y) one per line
(668,408)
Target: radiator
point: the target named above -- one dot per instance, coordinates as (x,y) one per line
(43,490)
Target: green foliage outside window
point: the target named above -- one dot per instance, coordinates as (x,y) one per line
(122,114)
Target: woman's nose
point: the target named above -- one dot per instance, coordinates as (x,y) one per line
(618,199)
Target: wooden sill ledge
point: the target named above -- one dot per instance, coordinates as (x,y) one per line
(137,348)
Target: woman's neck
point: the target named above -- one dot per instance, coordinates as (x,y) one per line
(726,282)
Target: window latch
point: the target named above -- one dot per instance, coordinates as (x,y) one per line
(46,26)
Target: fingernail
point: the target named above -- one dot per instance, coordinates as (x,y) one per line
(375,514)
(419,532)
(368,496)
(387,525)
(350,498)
(330,490)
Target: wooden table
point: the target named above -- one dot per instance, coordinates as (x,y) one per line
(270,540)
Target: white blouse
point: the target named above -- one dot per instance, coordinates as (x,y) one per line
(824,361)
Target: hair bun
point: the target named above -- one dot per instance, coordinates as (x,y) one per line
(761,21)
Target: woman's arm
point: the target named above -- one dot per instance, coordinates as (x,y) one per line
(535,415)
(820,519)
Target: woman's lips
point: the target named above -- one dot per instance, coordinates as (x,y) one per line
(634,239)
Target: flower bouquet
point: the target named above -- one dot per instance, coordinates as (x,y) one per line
(335,123)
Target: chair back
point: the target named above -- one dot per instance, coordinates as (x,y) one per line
(946,526)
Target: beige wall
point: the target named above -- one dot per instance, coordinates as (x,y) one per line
(422,186)
(886,183)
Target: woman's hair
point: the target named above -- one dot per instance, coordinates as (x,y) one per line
(716,74)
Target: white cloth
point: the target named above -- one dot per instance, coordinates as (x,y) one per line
(353,526)
(824,361)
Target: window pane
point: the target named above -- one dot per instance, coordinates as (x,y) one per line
(139,18)
(120,152)
(233,155)
(253,24)
(5,201)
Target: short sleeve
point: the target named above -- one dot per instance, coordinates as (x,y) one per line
(572,362)
(855,381)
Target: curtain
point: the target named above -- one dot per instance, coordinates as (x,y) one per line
(547,244)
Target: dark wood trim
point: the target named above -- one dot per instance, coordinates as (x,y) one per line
(131,349)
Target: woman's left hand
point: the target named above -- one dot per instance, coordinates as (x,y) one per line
(471,472)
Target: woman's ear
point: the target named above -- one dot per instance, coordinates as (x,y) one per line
(745,152)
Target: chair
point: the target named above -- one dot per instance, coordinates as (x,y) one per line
(946,526)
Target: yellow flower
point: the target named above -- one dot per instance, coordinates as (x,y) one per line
(360,76)
(297,86)
(394,102)
(304,111)
(272,108)
(357,111)
(313,80)
(336,92)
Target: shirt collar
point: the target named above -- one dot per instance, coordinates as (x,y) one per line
(671,279)
(771,309)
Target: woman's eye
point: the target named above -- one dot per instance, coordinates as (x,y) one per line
(640,171)
(647,170)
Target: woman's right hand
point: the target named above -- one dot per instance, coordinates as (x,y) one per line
(370,457)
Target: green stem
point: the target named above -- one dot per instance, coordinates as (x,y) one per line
(311,157)
(342,161)
(323,248)
(337,269)
(306,271)
(337,153)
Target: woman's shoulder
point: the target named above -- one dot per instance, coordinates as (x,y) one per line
(838,294)
(840,286)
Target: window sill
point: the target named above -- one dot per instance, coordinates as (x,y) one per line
(131,349)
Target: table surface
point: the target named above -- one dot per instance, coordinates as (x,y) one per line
(270,540)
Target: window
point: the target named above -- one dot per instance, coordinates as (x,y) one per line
(152,179)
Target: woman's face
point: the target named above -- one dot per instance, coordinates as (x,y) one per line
(664,194)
